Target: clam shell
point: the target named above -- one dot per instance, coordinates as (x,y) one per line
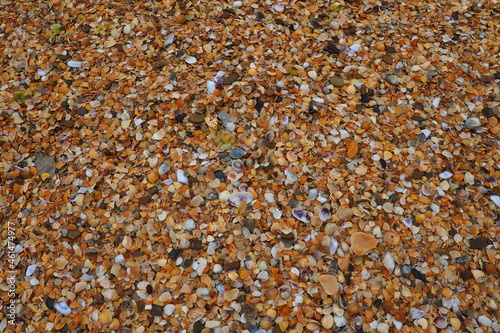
(235,199)
(362,243)
(301,215)
(63,308)
(325,214)
(329,284)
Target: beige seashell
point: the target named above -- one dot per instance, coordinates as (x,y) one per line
(362,243)
(329,284)
(196,314)
(327,321)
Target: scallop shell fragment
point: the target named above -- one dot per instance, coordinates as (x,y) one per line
(362,243)
(63,308)
(301,215)
(235,199)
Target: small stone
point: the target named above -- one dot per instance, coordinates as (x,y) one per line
(485,321)
(478,243)
(390,49)
(387,59)
(417,174)
(45,164)
(472,123)
(144,200)
(156,310)
(230,78)
(74,234)
(490,112)
(68,123)
(233,265)
(337,81)
(197,118)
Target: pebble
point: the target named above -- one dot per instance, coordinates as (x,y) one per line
(197,118)
(478,243)
(392,79)
(337,81)
(231,78)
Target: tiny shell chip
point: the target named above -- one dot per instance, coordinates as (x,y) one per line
(280,7)
(211,86)
(329,284)
(63,308)
(74,64)
(301,215)
(445,175)
(235,199)
(41,72)
(362,243)
(472,123)
(325,214)
(181,177)
(190,60)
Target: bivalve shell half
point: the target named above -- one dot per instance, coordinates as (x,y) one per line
(329,284)
(235,199)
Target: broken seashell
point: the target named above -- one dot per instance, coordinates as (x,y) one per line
(325,214)
(63,308)
(329,284)
(362,243)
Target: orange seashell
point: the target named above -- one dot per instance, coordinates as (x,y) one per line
(352,149)
(362,243)
(329,284)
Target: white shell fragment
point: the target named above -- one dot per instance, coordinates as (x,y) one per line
(235,199)
(388,262)
(181,177)
(495,199)
(170,39)
(325,214)
(190,60)
(445,175)
(74,64)
(211,86)
(63,308)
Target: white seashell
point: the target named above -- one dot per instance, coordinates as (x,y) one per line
(159,135)
(325,214)
(30,270)
(181,177)
(41,72)
(277,213)
(483,320)
(280,7)
(445,175)
(235,199)
(211,86)
(170,39)
(472,123)
(388,262)
(74,64)
(63,308)
(495,199)
(190,60)
(169,309)
(313,193)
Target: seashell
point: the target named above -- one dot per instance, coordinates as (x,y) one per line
(345,213)
(74,64)
(362,243)
(416,313)
(441,322)
(190,60)
(211,86)
(169,40)
(63,308)
(495,199)
(237,153)
(472,123)
(235,199)
(325,214)
(357,324)
(313,193)
(329,284)
(301,215)
(445,175)
(269,136)
(277,213)
(181,177)
(237,165)
(388,262)
(196,314)
(266,323)
(280,7)
(234,176)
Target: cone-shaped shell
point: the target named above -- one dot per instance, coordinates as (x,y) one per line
(362,243)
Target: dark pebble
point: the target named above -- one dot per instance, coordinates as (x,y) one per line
(196,244)
(156,310)
(86,28)
(462,260)
(145,199)
(232,265)
(478,243)
(49,302)
(387,59)
(197,118)
(180,117)
(466,274)
(365,98)
(260,16)
(81,111)
(259,105)
(68,123)
(174,254)
(198,327)
(417,174)
(394,197)
(64,57)
(279,21)
(220,175)
(224,158)
(230,78)
(377,303)
(490,112)
(153,190)
(249,224)
(74,234)
(418,275)
(149,289)
(236,153)
(383,163)
(418,118)
(391,49)
(454,15)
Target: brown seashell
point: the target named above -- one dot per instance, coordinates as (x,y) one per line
(362,243)
(391,238)
(196,314)
(327,321)
(329,284)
